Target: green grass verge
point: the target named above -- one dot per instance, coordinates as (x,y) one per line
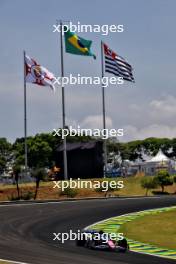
(158,230)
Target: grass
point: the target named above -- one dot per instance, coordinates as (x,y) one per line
(46,191)
(158,230)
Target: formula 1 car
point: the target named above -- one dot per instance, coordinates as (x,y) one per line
(89,240)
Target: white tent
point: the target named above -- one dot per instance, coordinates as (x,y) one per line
(160,157)
(158,162)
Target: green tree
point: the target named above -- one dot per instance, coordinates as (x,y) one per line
(41,150)
(5,150)
(39,153)
(163,179)
(148,183)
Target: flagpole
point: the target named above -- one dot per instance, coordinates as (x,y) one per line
(25,117)
(104,111)
(63,105)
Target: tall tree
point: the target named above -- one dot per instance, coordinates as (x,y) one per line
(5,151)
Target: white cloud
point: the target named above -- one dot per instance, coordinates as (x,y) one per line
(164,107)
(96,121)
(153,130)
(134,107)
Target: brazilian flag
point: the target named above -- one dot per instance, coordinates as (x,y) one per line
(76,45)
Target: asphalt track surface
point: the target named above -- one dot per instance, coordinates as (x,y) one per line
(26,231)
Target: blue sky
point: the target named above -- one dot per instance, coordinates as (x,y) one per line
(146,108)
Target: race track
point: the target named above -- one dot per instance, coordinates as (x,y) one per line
(26,231)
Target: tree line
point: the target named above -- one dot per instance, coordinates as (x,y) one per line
(42,149)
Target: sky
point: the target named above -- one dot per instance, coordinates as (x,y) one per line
(146,108)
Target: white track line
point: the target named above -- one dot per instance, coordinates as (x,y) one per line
(13,262)
(61,202)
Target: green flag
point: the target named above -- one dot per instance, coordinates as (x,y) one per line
(77,45)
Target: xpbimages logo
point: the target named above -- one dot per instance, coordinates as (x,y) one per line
(88,80)
(105,185)
(79,235)
(102,29)
(96,132)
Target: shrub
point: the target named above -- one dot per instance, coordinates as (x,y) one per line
(27,196)
(163,179)
(69,192)
(108,187)
(13,197)
(148,183)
